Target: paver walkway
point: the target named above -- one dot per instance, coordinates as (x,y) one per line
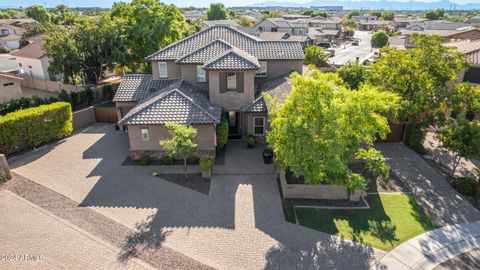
(443,203)
(432,248)
(239,225)
(33,238)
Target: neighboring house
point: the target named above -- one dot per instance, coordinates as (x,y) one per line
(295,27)
(372,25)
(217,72)
(305,40)
(33,61)
(402,22)
(364,17)
(447,35)
(295,17)
(325,23)
(194,15)
(436,25)
(11,31)
(471,49)
(321,35)
(9,87)
(232,23)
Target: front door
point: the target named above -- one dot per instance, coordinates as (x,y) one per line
(233,124)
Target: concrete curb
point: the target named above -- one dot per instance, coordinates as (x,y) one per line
(432,248)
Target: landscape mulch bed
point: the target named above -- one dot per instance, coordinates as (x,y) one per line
(194,182)
(219,160)
(326,203)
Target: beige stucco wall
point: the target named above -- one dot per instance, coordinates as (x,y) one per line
(205,137)
(471,35)
(39,67)
(125,107)
(276,68)
(189,74)
(11,91)
(248,122)
(173,70)
(231,101)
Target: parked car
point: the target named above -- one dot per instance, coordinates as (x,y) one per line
(330,51)
(325,44)
(355,43)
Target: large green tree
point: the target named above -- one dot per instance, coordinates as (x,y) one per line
(217,11)
(83,52)
(182,142)
(315,55)
(353,74)
(320,127)
(379,39)
(38,13)
(149,26)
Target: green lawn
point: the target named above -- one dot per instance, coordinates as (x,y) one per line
(392,219)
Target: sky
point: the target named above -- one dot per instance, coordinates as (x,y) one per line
(180,3)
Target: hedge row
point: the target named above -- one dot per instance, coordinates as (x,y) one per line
(33,126)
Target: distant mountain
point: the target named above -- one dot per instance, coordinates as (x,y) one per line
(380,5)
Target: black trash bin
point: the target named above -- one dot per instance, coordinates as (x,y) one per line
(267,156)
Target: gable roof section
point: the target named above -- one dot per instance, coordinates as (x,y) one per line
(233,59)
(278,87)
(33,50)
(260,49)
(205,53)
(180,103)
(470,48)
(137,87)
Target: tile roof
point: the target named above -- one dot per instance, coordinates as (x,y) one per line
(235,59)
(137,87)
(206,52)
(278,87)
(273,35)
(33,50)
(442,33)
(260,49)
(221,22)
(180,103)
(470,48)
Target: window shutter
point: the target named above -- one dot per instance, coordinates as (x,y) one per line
(223,81)
(240,82)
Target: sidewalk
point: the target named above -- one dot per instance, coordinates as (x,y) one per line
(444,204)
(430,249)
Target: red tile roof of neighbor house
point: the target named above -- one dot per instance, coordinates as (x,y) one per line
(33,50)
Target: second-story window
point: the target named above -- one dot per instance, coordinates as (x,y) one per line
(145,136)
(162,70)
(262,71)
(274,29)
(201,74)
(231,81)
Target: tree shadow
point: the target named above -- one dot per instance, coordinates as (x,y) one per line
(147,236)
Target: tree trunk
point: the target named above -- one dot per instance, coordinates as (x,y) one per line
(185,167)
(455,165)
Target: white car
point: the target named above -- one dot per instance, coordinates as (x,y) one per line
(330,52)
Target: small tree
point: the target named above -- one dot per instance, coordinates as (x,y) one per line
(217,11)
(181,143)
(222,133)
(349,31)
(315,55)
(379,39)
(462,137)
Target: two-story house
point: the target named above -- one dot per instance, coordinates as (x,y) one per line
(218,72)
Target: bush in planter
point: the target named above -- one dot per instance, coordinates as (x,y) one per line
(222,133)
(249,140)
(206,163)
(289,211)
(144,160)
(466,185)
(167,160)
(192,160)
(374,163)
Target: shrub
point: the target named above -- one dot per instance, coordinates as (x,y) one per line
(222,133)
(289,211)
(315,55)
(415,136)
(192,160)
(74,100)
(64,96)
(107,92)
(4,49)
(466,186)
(167,160)
(33,126)
(374,163)
(206,162)
(144,160)
(248,140)
(89,96)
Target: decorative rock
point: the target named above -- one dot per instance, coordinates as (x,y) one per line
(154,174)
(428,157)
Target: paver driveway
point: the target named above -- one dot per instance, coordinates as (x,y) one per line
(239,225)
